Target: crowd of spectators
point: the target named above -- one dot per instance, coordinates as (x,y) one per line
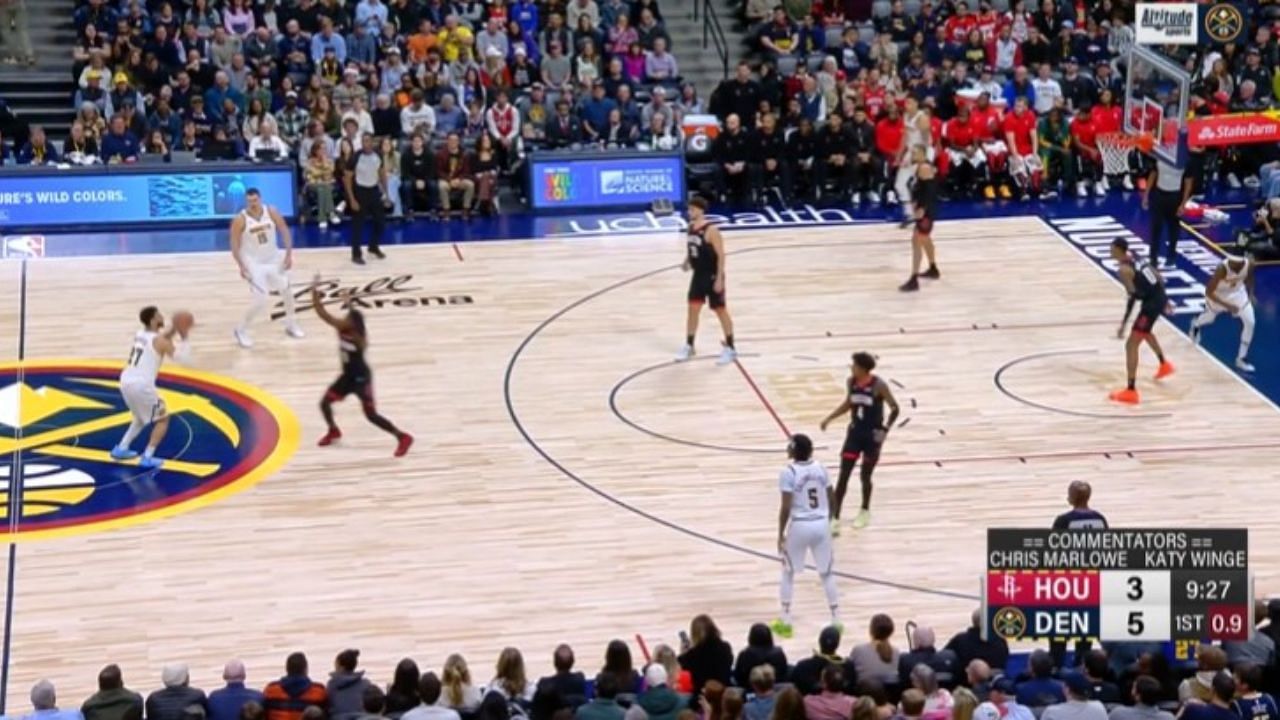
(473,85)
(835,95)
(965,679)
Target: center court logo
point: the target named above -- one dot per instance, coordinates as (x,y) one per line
(393,291)
(558,185)
(61,418)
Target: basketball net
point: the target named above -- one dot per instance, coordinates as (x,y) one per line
(1116,147)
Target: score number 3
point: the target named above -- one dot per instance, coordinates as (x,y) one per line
(1135,605)
(1135,626)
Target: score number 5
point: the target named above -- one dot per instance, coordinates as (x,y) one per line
(1135,626)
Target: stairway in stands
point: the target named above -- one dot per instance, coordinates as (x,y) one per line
(43,94)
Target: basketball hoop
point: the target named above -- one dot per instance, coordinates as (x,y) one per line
(1116,148)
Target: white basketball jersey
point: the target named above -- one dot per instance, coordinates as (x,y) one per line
(144,362)
(807,483)
(1232,282)
(260,242)
(915,131)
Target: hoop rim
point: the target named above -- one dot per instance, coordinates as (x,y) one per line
(1118,139)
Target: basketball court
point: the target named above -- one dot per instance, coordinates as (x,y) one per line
(571,483)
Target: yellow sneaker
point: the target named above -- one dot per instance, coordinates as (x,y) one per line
(782,629)
(1005,193)
(989,192)
(835,527)
(863,519)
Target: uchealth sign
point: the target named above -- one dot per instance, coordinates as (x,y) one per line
(1235,129)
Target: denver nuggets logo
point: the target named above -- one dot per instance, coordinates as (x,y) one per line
(1223,23)
(1009,623)
(59,421)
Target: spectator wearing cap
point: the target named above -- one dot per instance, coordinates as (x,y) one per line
(659,701)
(1254,70)
(1217,705)
(1041,689)
(944,663)
(1147,695)
(1003,694)
(44,704)
(522,70)
(292,120)
(288,697)
(172,701)
(807,674)
(226,702)
(121,93)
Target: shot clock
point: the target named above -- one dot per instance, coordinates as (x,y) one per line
(1112,585)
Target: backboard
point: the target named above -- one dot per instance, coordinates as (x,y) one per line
(1155,102)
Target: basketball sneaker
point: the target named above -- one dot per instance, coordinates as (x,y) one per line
(1100,188)
(150,462)
(932,273)
(727,355)
(403,443)
(1194,334)
(1165,370)
(1005,192)
(835,527)
(911,285)
(782,629)
(1245,365)
(1126,182)
(1126,396)
(242,338)
(863,519)
(1081,190)
(329,437)
(120,452)
(293,331)
(989,192)
(686,352)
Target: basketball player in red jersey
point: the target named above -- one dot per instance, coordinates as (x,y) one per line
(704,255)
(968,163)
(1084,141)
(985,119)
(1019,128)
(356,377)
(865,397)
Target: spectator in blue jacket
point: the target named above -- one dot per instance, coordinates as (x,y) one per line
(119,145)
(1019,86)
(38,150)
(225,703)
(525,12)
(221,90)
(595,111)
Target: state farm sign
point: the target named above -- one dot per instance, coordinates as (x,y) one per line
(1232,130)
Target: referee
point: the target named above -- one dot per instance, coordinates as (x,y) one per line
(1168,190)
(365,179)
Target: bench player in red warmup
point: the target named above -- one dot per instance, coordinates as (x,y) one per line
(1146,287)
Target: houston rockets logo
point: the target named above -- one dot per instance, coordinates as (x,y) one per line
(59,421)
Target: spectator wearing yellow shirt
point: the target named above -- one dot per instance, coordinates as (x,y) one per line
(453,38)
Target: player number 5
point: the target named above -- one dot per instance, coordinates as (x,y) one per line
(813,498)
(1135,589)
(1136,626)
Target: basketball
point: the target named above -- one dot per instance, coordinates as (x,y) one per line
(183,321)
(1145,142)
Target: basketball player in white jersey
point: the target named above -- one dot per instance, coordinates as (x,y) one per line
(804,527)
(138,387)
(256,232)
(916,133)
(1230,290)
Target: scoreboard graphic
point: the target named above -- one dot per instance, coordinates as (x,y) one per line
(1115,585)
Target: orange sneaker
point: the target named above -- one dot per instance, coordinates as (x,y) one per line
(1127,396)
(1166,369)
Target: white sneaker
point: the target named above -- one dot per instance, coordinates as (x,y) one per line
(873,197)
(1244,365)
(341,207)
(242,337)
(1252,181)
(863,519)
(1105,184)
(727,355)
(293,331)
(856,199)
(1128,182)
(1100,188)
(1081,190)
(891,197)
(336,219)
(1233,181)
(686,352)
(324,225)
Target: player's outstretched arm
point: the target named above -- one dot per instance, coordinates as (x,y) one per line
(842,409)
(237,229)
(317,303)
(1211,290)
